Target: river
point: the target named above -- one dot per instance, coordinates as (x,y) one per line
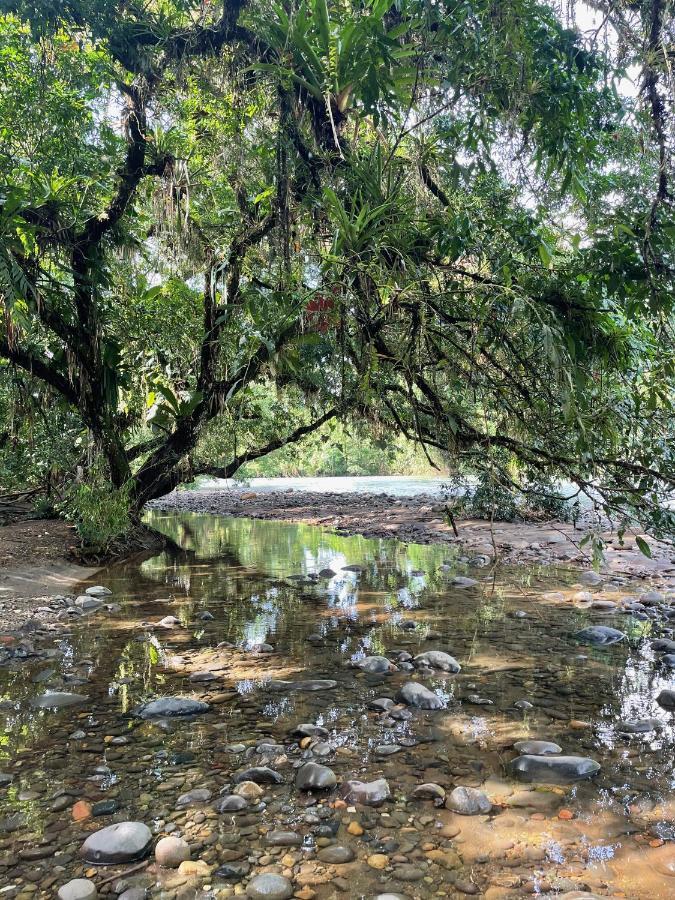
(268,625)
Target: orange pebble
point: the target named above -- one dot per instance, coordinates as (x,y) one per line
(565,814)
(656,843)
(81,811)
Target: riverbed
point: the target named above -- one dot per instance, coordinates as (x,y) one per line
(269,630)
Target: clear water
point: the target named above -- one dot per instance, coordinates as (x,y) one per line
(245,573)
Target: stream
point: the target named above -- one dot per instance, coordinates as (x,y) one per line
(278,651)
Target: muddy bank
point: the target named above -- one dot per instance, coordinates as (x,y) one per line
(36,565)
(422,520)
(42,562)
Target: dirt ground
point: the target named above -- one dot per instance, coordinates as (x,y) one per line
(35,564)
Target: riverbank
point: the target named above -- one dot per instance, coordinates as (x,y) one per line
(422,520)
(36,565)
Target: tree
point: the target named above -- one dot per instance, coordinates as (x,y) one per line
(444,218)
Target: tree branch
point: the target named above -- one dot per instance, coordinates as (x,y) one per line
(276,444)
(41,369)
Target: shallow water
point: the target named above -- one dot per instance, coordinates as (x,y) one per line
(613,834)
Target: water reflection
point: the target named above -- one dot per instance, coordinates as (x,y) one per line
(237,585)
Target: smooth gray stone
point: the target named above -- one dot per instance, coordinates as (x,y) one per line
(663,645)
(283,839)
(387,749)
(368,793)
(467,801)
(78,889)
(537,748)
(336,855)
(428,791)
(306,729)
(88,604)
(668,659)
(666,699)
(376,665)
(390,897)
(639,726)
(554,769)
(381,704)
(313,777)
(269,887)
(415,694)
(120,843)
(599,635)
(196,795)
(97,590)
(169,707)
(438,659)
(231,803)
(320,684)
(57,700)
(259,775)
(591,579)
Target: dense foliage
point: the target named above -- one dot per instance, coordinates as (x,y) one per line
(225,224)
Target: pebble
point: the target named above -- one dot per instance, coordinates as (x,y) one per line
(313,777)
(78,889)
(554,769)
(336,855)
(467,801)
(170,852)
(269,886)
(372,793)
(419,696)
(118,843)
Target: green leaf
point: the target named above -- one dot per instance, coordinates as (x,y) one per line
(643,547)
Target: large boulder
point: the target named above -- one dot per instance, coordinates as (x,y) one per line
(78,889)
(171,851)
(666,699)
(259,775)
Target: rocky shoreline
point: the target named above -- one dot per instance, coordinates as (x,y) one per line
(422,519)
